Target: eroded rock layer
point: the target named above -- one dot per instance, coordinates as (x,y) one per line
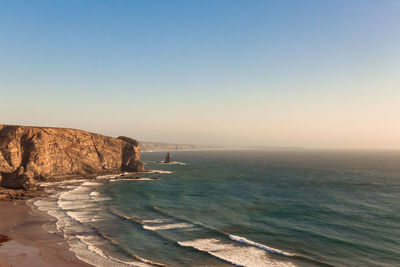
(31,154)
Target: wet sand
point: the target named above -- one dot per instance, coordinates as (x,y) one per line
(24,242)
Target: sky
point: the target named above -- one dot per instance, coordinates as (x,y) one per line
(315,74)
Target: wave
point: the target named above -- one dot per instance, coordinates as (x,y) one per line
(139,261)
(68,227)
(245,253)
(126,176)
(194,223)
(261,246)
(154,224)
(159,171)
(139,179)
(238,255)
(94,194)
(173,163)
(122,216)
(108,176)
(274,250)
(75,210)
(133,179)
(78,208)
(163,162)
(157,221)
(230,237)
(62,183)
(91,184)
(233,249)
(167,226)
(92,255)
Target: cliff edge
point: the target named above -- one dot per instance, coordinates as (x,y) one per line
(32,154)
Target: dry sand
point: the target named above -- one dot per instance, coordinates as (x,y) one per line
(24,242)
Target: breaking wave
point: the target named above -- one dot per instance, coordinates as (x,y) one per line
(238,255)
(261,246)
(75,210)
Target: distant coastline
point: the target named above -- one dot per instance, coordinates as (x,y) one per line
(158,146)
(162,147)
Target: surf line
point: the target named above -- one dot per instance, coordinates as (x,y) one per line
(243,240)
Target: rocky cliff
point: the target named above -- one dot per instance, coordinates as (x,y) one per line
(31,154)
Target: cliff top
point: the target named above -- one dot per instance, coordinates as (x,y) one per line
(29,154)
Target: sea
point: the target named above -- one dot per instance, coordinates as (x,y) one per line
(295,207)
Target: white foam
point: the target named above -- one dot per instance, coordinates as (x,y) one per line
(85,249)
(261,246)
(157,221)
(179,163)
(97,197)
(73,181)
(110,176)
(81,203)
(79,192)
(139,179)
(90,184)
(67,208)
(192,229)
(143,262)
(81,216)
(173,162)
(89,241)
(51,208)
(132,179)
(64,224)
(61,183)
(93,242)
(101,198)
(50,227)
(159,171)
(77,198)
(167,226)
(248,256)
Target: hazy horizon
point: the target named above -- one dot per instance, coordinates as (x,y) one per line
(312,74)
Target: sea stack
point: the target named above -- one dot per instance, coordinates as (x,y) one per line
(33,154)
(168,158)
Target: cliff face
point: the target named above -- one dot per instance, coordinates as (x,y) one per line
(31,154)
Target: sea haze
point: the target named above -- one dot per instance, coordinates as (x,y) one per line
(247,208)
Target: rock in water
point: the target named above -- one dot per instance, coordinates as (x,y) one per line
(168,158)
(31,154)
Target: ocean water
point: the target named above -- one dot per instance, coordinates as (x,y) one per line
(243,208)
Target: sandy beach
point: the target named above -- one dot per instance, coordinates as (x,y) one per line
(24,242)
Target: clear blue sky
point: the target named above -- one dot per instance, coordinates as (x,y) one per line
(323,74)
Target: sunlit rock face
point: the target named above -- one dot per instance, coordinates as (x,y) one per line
(32,154)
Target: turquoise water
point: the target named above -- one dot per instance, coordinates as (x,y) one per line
(254,208)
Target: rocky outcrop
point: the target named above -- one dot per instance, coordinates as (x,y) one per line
(31,154)
(168,158)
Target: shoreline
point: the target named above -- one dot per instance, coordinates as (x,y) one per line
(24,240)
(27,243)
